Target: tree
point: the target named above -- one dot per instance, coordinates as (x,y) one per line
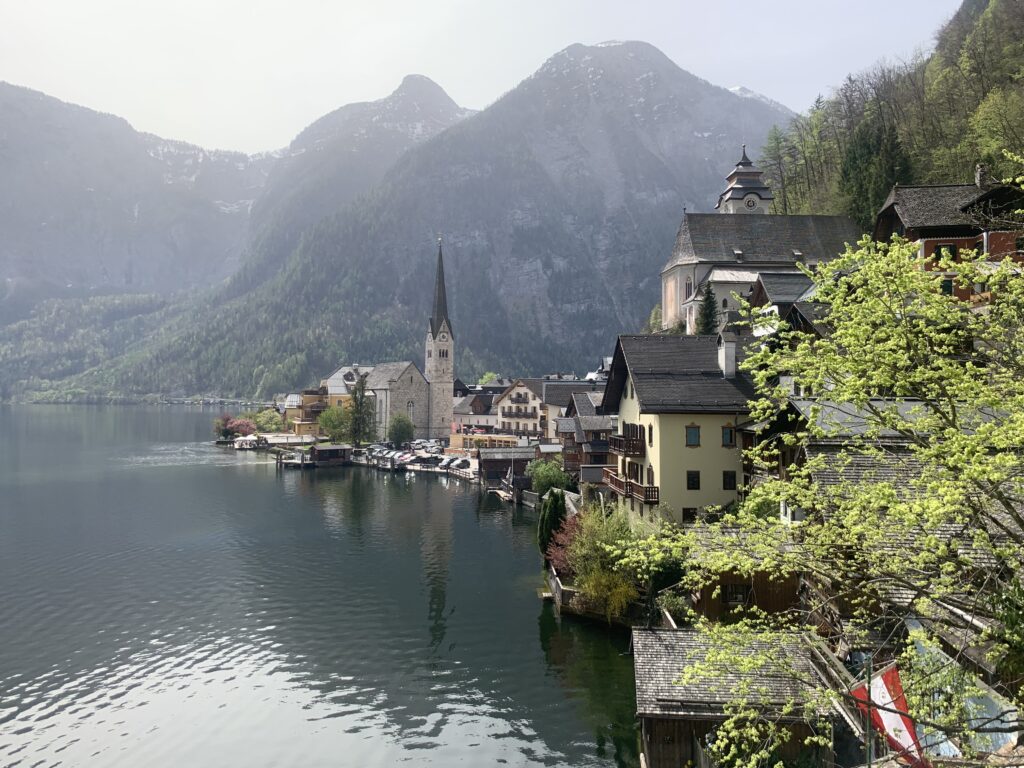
(363,425)
(488,377)
(552,515)
(336,423)
(545,474)
(916,508)
(603,588)
(401,429)
(268,420)
(654,320)
(707,317)
(240,426)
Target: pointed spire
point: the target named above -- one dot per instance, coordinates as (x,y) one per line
(440,314)
(744,160)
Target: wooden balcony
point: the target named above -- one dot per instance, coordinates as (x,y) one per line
(647,494)
(614,481)
(621,445)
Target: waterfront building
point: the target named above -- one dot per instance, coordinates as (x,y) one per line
(677,714)
(679,400)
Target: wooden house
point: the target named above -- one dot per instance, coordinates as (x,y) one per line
(678,716)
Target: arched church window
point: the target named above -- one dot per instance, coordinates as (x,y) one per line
(409,406)
(689,288)
(725,303)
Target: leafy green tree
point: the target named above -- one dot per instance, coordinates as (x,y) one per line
(916,507)
(707,313)
(488,377)
(336,423)
(545,474)
(874,162)
(400,429)
(603,588)
(267,420)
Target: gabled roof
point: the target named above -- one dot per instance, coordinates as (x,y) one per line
(783,287)
(584,403)
(660,657)
(674,374)
(933,205)
(384,373)
(761,239)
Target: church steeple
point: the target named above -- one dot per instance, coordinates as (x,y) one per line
(438,356)
(747,191)
(440,314)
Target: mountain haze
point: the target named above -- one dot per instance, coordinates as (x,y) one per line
(558,205)
(90,206)
(336,159)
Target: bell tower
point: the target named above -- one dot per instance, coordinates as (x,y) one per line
(438,364)
(746,192)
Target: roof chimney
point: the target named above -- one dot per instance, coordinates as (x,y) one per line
(982,179)
(727,354)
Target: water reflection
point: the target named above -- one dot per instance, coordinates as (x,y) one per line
(169,614)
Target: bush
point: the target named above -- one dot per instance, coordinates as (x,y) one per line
(547,474)
(401,429)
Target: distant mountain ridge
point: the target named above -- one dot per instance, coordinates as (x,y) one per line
(91,206)
(558,204)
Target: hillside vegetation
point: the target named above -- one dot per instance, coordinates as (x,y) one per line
(926,121)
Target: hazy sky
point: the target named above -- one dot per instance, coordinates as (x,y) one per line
(249,74)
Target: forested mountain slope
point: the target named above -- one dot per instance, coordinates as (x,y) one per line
(929,120)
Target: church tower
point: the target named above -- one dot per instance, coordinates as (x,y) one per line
(437,359)
(747,192)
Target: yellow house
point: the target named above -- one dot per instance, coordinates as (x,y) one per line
(678,400)
(302,411)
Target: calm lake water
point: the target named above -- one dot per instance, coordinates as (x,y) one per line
(167,603)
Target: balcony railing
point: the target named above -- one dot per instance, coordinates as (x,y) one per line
(614,481)
(648,494)
(625,446)
(522,413)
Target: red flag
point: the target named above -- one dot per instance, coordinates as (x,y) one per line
(886,691)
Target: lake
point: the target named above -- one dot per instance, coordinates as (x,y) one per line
(164,602)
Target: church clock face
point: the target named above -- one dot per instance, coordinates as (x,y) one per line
(751,202)
(444,337)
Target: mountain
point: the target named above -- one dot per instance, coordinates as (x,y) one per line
(91,206)
(339,157)
(558,205)
(746,93)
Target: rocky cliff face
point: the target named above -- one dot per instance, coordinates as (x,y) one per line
(558,205)
(90,206)
(335,160)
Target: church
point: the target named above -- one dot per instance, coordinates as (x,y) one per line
(727,251)
(400,387)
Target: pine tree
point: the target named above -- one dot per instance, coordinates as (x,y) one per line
(707,318)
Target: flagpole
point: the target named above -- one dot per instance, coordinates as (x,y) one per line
(867,731)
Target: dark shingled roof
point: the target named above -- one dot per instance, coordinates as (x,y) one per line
(939,205)
(677,374)
(660,656)
(784,288)
(764,239)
